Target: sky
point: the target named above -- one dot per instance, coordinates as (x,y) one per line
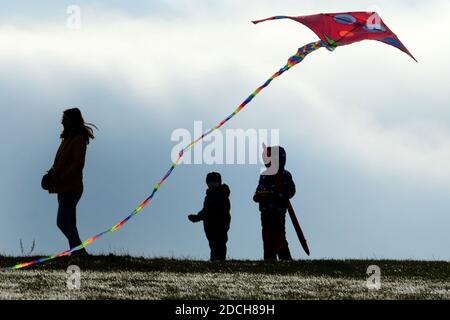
(366,129)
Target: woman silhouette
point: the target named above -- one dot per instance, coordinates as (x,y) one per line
(67,178)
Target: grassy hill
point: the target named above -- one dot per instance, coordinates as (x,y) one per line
(124,277)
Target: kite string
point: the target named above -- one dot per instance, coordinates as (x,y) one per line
(295,59)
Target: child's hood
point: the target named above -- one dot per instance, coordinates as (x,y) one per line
(223,190)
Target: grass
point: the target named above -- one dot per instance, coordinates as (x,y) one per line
(125,277)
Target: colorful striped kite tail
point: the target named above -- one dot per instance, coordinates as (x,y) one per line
(303,52)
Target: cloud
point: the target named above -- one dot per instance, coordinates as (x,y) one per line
(413,152)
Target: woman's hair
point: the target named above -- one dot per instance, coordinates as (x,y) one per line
(78,125)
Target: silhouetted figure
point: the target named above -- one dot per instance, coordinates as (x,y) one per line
(67,173)
(274,189)
(215,215)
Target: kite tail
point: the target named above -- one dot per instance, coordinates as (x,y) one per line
(295,59)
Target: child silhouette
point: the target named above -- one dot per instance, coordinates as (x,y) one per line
(215,215)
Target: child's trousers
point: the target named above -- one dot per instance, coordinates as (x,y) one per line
(274,236)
